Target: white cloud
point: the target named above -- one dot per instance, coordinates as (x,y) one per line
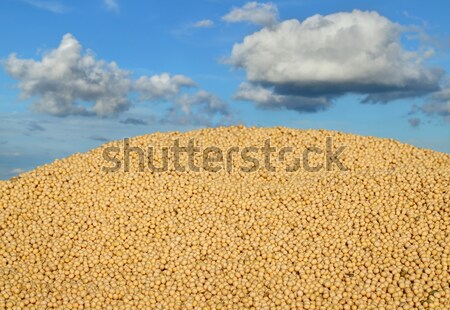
(67,82)
(17,171)
(209,103)
(112,5)
(65,76)
(265,14)
(205,23)
(161,86)
(11,154)
(329,56)
(201,108)
(51,6)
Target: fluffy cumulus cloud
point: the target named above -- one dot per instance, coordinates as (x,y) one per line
(205,23)
(161,86)
(264,14)
(67,81)
(65,77)
(325,57)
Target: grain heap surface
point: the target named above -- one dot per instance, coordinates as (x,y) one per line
(376,236)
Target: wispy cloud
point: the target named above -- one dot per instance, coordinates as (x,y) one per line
(112,5)
(33,126)
(205,23)
(414,121)
(98,138)
(264,14)
(51,6)
(133,121)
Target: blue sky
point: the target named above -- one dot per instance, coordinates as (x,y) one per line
(181,65)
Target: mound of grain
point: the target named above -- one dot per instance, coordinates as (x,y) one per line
(376,236)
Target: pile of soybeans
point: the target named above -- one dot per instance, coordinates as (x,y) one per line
(375,235)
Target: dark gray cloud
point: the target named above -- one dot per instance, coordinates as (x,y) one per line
(325,57)
(441,109)
(33,126)
(98,138)
(268,99)
(133,121)
(439,104)
(414,121)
